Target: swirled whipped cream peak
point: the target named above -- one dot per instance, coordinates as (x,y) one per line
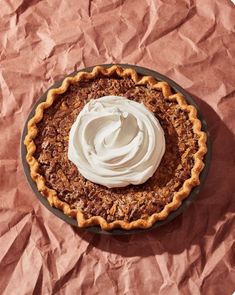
(115,142)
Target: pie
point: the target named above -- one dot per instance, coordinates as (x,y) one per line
(133,205)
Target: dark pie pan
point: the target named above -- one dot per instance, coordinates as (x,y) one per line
(97,229)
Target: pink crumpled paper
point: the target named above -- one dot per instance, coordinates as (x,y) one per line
(192,42)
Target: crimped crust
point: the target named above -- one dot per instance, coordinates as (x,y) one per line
(51,194)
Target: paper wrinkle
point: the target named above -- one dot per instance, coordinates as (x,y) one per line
(178,20)
(192,42)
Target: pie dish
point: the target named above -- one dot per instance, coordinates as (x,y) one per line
(133,206)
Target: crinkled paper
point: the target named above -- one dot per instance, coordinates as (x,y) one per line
(193,43)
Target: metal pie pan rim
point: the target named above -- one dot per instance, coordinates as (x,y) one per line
(97,229)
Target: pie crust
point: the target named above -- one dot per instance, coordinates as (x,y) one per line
(51,194)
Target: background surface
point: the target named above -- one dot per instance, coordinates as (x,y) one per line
(192,42)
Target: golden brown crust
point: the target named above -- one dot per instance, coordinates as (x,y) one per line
(51,194)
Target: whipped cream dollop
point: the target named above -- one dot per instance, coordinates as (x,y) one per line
(116,142)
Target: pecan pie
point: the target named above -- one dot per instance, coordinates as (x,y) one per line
(133,205)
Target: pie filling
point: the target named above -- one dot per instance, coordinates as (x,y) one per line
(127,203)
